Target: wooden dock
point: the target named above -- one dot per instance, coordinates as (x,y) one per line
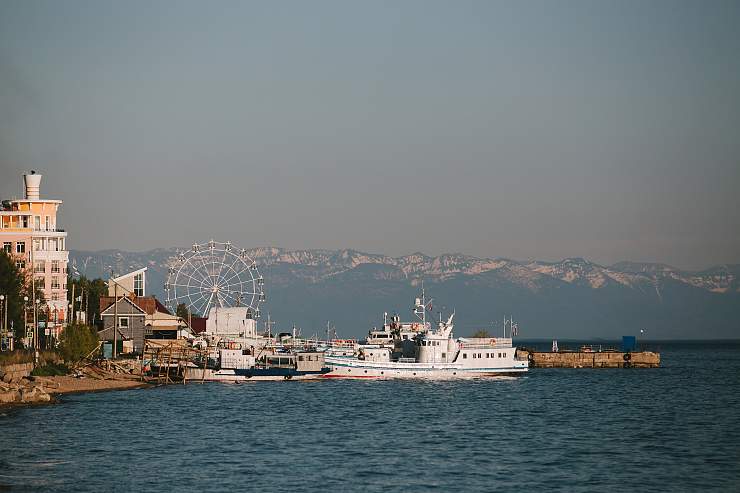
(585,359)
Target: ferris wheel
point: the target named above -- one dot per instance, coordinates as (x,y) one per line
(214,274)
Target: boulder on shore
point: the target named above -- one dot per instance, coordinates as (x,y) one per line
(23,393)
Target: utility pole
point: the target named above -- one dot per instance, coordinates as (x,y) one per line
(86,295)
(115,315)
(33,295)
(72,318)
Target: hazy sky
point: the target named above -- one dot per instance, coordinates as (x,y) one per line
(608,130)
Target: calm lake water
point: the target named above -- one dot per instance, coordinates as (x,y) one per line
(676,428)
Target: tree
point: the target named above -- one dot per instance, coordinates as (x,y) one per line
(77,341)
(11,286)
(482,334)
(15,283)
(182,311)
(93,289)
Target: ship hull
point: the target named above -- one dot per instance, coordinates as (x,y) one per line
(253,375)
(358,369)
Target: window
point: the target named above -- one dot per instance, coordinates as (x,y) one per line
(444,355)
(123,322)
(55,282)
(25,221)
(55,266)
(20,264)
(39,266)
(54,296)
(20,247)
(47,223)
(7,246)
(139,284)
(37,223)
(474,355)
(465,356)
(40,282)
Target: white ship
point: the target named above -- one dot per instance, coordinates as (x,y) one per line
(419,352)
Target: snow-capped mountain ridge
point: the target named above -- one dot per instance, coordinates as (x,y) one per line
(572,297)
(318,265)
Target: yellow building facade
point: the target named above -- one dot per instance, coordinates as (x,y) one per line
(30,234)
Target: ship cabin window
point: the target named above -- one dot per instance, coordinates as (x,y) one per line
(444,355)
(300,358)
(465,355)
(474,355)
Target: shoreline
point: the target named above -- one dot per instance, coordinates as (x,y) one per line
(58,386)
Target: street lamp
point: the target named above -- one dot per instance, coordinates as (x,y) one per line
(3,319)
(36,336)
(25,316)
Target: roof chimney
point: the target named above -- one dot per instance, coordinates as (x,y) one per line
(33,183)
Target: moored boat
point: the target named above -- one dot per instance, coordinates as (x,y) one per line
(427,353)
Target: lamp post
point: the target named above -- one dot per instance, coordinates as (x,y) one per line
(36,336)
(3,320)
(56,323)
(25,316)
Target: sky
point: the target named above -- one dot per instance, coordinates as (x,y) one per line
(608,130)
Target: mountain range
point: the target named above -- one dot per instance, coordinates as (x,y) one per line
(572,298)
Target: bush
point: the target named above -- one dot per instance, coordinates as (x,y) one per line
(50,370)
(77,341)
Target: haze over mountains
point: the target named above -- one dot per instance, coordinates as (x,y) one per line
(573,298)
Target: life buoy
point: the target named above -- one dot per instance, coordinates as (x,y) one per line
(627,356)
(493,342)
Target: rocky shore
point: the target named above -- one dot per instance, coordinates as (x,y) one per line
(18,387)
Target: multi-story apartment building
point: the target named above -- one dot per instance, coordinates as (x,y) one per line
(30,233)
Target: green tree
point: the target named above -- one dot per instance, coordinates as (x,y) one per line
(11,286)
(182,311)
(77,341)
(91,290)
(15,283)
(482,334)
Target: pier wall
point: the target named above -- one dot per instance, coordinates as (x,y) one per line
(643,359)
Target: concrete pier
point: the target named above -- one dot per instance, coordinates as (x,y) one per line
(606,359)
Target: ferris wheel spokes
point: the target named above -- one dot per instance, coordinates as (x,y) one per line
(214,274)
